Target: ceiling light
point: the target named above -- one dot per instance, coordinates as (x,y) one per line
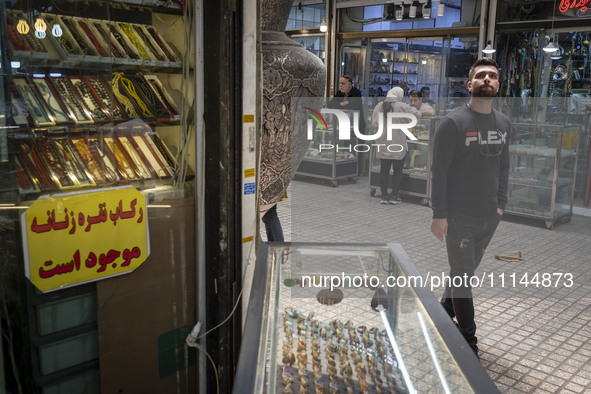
(426,10)
(440,9)
(399,12)
(57,30)
(412,12)
(489,48)
(551,47)
(323,26)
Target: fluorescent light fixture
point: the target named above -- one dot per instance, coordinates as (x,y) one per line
(423,62)
(55,75)
(15,64)
(489,48)
(551,47)
(323,26)
(440,9)
(397,352)
(38,75)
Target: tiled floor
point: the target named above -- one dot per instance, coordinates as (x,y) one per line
(533,339)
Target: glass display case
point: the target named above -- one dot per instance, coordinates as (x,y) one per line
(543,170)
(311,42)
(416,179)
(322,322)
(325,158)
(95,104)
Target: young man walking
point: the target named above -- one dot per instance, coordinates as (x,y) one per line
(470,172)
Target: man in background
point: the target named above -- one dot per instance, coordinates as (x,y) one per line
(470,173)
(416,100)
(349,98)
(342,100)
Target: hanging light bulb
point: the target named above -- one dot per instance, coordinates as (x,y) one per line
(489,48)
(551,47)
(22,27)
(57,30)
(323,26)
(40,34)
(412,12)
(40,25)
(440,9)
(399,12)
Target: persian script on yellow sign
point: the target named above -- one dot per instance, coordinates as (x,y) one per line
(83,237)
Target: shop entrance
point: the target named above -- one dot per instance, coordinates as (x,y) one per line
(551,88)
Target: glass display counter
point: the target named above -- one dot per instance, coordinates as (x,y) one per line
(320,321)
(416,172)
(325,159)
(543,171)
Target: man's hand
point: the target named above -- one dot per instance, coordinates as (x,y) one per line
(500,211)
(344,102)
(439,228)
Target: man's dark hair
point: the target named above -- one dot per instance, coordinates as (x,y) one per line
(485,61)
(414,93)
(348,78)
(424,88)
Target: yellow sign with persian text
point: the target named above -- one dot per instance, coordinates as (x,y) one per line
(77,238)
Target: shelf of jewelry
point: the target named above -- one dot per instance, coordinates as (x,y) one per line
(322,344)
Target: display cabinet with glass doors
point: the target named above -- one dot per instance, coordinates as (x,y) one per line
(306,333)
(327,157)
(391,65)
(416,173)
(95,104)
(542,171)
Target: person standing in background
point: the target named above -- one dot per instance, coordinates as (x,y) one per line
(349,98)
(470,173)
(416,100)
(425,93)
(391,158)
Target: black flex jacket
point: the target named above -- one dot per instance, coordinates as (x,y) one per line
(470,168)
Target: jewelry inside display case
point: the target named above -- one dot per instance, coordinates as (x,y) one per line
(350,319)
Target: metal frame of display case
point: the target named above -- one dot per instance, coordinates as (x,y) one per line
(536,196)
(332,168)
(412,184)
(257,372)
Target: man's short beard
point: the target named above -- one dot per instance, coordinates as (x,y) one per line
(487,93)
